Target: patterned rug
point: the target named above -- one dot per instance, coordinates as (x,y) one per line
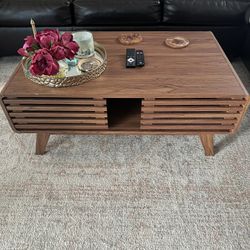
(124,192)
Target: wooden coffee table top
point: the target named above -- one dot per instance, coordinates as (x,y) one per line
(199,70)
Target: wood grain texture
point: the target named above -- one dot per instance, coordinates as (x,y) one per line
(191,114)
(208,144)
(194,90)
(242,114)
(41,142)
(193,127)
(190,109)
(199,70)
(188,115)
(59,114)
(197,101)
(123,132)
(47,101)
(70,127)
(60,121)
(63,108)
(189,121)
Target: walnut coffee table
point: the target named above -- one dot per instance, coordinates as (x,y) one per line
(190,91)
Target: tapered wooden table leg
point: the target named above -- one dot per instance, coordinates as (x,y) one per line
(207,141)
(41,142)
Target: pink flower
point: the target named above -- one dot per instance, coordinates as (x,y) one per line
(66,37)
(29,46)
(58,52)
(43,63)
(71,47)
(23,52)
(47,38)
(46,49)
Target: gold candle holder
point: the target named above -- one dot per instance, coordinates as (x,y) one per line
(33,25)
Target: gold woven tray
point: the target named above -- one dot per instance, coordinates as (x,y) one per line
(68,81)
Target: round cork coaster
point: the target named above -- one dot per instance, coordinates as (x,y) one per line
(131,38)
(177,42)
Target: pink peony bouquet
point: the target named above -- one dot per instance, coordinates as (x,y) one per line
(46,49)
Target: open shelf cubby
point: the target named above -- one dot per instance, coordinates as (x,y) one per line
(124,113)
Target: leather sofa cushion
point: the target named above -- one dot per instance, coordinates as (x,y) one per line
(114,12)
(247,16)
(17,13)
(205,12)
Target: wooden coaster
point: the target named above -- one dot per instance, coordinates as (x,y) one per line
(131,38)
(177,42)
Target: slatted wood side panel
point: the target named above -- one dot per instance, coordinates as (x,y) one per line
(57,113)
(192,114)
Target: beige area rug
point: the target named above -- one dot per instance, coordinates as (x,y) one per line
(131,192)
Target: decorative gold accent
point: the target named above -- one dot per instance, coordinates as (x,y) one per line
(33,25)
(89,64)
(177,42)
(68,81)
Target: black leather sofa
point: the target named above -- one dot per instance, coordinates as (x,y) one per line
(228,19)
